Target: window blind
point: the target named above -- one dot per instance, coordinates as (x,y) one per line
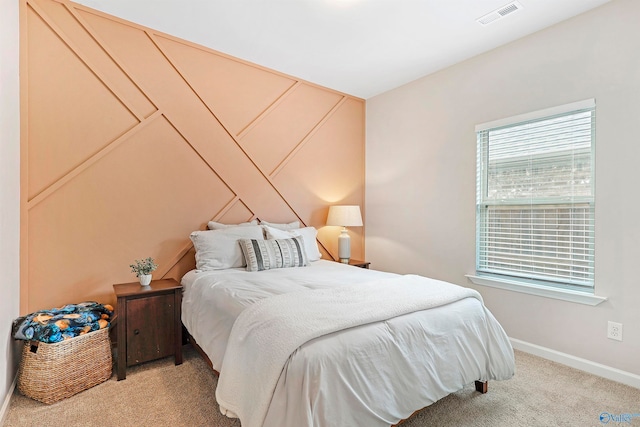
(535,198)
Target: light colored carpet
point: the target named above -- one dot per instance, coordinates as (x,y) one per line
(158,393)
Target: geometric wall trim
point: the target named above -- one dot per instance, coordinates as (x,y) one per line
(132,138)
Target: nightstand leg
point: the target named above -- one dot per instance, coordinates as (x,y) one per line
(482,386)
(121,339)
(178,325)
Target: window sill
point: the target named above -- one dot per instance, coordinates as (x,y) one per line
(539,290)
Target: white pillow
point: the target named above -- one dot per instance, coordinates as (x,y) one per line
(212,225)
(309,235)
(287,226)
(219,249)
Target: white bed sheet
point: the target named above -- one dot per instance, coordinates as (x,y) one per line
(375,374)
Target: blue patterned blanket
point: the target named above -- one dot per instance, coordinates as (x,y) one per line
(58,324)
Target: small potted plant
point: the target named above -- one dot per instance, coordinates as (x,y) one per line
(143,269)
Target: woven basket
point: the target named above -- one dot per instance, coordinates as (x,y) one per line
(52,372)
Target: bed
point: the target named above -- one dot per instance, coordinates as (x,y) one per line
(397,357)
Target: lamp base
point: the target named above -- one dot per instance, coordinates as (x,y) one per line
(344,246)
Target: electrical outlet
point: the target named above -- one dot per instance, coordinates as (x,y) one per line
(614,331)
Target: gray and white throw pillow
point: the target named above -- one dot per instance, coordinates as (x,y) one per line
(276,253)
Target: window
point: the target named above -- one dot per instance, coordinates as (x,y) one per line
(535,198)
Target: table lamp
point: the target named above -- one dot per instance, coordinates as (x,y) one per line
(344,216)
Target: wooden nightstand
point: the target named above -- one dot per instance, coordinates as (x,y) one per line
(358,263)
(149,326)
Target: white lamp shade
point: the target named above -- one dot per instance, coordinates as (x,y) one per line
(345,216)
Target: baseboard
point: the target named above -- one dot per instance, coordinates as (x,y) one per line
(594,368)
(7,400)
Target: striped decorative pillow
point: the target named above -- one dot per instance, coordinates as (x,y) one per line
(276,253)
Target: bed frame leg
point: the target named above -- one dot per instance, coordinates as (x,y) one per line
(482,386)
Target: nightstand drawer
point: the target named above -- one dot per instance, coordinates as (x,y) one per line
(150,328)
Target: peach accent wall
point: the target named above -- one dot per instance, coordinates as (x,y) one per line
(133,138)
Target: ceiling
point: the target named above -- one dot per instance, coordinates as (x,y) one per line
(360,47)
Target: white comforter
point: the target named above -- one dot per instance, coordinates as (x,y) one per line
(373,374)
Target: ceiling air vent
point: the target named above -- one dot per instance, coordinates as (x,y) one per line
(505,10)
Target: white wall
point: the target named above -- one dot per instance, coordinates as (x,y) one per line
(9,190)
(421,156)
